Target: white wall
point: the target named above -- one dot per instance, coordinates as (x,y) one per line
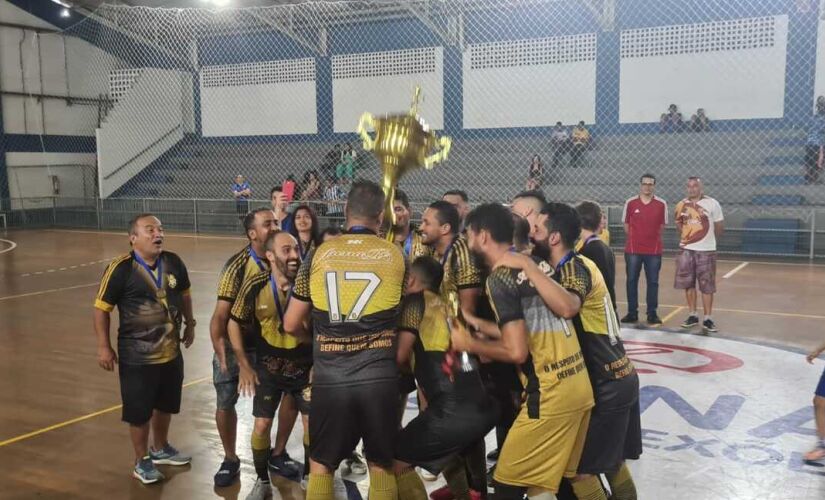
(144,124)
(29,174)
(42,69)
(276,108)
(729,84)
(389,94)
(819,84)
(529,96)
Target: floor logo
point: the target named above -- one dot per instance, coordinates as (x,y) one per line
(723,419)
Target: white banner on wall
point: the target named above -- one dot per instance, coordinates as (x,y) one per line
(819,83)
(734,69)
(266,98)
(383,82)
(530,83)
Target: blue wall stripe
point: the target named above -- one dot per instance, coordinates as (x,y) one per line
(32,143)
(4,174)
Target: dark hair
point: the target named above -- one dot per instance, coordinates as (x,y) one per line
(401,197)
(565,220)
(648,176)
(270,239)
(249,219)
(293,229)
(446,213)
(590,214)
(457,192)
(493,218)
(134,220)
(365,200)
(276,189)
(329,231)
(558,124)
(581,123)
(521,231)
(535,194)
(429,270)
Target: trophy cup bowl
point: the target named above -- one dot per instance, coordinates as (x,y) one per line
(466,363)
(403,142)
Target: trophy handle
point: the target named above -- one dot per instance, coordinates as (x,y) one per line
(366,122)
(444,143)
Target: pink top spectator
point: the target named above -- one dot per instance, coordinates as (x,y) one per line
(646,221)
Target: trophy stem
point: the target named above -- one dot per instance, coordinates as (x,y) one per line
(389,183)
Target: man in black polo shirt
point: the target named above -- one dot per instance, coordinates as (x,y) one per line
(150,288)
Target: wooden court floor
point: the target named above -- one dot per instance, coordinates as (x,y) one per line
(60,429)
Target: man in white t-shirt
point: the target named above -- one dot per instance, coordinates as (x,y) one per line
(699,220)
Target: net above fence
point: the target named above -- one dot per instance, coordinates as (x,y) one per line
(197,97)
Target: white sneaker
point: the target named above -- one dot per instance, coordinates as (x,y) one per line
(260,491)
(355,464)
(427,475)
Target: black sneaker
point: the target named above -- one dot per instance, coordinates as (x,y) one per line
(708,326)
(654,320)
(493,455)
(227,474)
(283,465)
(630,318)
(690,322)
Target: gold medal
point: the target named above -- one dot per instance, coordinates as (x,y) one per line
(161,293)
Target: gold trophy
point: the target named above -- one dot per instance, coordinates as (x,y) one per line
(403,142)
(454,311)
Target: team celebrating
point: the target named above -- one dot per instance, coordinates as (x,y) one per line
(489,317)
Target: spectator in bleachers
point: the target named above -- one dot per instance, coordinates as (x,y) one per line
(560,142)
(335,195)
(815,143)
(700,121)
(460,201)
(305,229)
(346,166)
(280,207)
(535,176)
(671,121)
(330,233)
(241,191)
(581,140)
(311,187)
(331,161)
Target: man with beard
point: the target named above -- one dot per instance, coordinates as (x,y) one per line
(614,433)
(258,225)
(528,205)
(282,363)
(439,229)
(546,439)
(406,235)
(150,288)
(350,289)
(461,202)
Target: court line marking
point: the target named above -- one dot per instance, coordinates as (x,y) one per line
(170,235)
(735,270)
(81,418)
(52,290)
(12,246)
(745,311)
(92,263)
(671,314)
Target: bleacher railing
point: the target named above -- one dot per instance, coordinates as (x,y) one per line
(797,233)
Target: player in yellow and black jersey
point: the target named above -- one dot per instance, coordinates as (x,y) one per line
(614,433)
(281,364)
(350,288)
(258,226)
(406,235)
(459,413)
(150,289)
(545,442)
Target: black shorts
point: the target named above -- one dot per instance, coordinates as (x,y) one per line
(342,415)
(613,436)
(406,383)
(432,438)
(268,395)
(144,388)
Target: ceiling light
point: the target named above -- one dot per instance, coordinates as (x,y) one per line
(65,12)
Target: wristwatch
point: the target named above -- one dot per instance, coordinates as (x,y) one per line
(192,322)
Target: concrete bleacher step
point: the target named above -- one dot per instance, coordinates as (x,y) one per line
(781,180)
(778,199)
(758,238)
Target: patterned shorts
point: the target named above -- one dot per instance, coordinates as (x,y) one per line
(693,266)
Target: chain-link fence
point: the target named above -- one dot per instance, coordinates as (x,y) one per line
(199,96)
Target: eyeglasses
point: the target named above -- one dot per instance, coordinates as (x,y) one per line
(648,184)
